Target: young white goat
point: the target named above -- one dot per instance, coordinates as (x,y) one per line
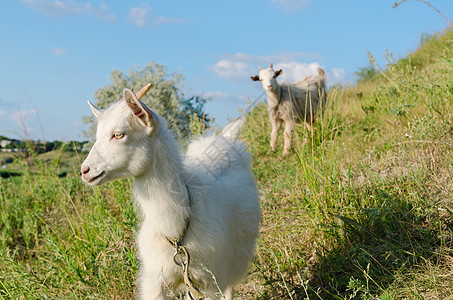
(205,203)
(291,103)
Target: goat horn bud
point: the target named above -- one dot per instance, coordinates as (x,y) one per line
(143,91)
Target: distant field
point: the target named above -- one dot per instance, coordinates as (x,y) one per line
(61,162)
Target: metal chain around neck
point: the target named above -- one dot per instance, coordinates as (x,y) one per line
(184,263)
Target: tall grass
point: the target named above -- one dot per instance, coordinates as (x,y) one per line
(60,240)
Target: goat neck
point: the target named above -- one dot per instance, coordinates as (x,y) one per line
(162,192)
(274,96)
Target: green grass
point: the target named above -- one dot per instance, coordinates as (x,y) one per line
(59,239)
(362,208)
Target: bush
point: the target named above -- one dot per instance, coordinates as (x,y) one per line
(164,97)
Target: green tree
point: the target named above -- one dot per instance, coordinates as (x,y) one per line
(366,73)
(164,96)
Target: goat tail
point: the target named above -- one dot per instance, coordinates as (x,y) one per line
(321,74)
(233,129)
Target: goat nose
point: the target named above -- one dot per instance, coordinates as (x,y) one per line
(85,170)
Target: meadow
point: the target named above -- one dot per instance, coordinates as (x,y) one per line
(361,209)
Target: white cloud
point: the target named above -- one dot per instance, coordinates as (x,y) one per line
(231,69)
(240,66)
(138,16)
(71,7)
(58,51)
(141,17)
(2,112)
(290,5)
(293,71)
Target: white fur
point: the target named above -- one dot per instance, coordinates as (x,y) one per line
(233,129)
(224,210)
(290,103)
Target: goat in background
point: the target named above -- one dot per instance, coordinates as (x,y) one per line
(291,103)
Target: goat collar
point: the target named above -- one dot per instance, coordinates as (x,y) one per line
(178,241)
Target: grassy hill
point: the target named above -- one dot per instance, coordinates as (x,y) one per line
(362,208)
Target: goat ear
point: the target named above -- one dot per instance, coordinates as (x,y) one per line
(145,116)
(278,73)
(271,66)
(97,112)
(255,78)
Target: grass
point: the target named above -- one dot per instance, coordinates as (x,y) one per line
(61,240)
(361,209)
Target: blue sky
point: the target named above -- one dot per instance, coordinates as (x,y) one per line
(54,54)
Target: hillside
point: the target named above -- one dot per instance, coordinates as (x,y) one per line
(361,209)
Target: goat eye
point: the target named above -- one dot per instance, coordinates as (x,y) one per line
(117,135)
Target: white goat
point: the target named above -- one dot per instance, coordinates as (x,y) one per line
(290,103)
(206,203)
